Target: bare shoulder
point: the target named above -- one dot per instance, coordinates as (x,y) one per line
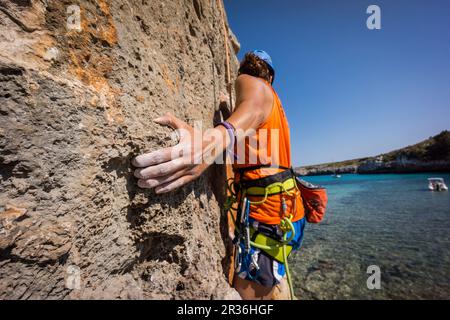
(245,80)
(256,93)
(247,86)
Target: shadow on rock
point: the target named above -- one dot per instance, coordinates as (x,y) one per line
(159,246)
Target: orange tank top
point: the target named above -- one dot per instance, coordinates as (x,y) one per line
(270,145)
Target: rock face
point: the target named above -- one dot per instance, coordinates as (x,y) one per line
(80,82)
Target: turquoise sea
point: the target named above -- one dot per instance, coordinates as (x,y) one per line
(388,220)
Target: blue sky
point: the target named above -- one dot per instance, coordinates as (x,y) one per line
(349,91)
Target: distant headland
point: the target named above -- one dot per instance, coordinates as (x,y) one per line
(429,155)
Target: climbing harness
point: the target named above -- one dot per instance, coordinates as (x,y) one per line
(246,236)
(285,183)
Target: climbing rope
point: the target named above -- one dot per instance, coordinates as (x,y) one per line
(227,53)
(286,264)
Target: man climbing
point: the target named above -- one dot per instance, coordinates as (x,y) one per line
(270,212)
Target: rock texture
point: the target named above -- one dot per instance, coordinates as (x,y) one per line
(75,107)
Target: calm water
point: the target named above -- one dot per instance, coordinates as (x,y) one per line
(391,221)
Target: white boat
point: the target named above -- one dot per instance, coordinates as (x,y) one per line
(437,184)
(337,176)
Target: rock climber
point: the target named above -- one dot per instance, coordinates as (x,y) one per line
(258,111)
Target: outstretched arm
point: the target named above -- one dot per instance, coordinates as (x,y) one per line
(170,168)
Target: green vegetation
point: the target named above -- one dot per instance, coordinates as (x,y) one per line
(440,149)
(433,149)
(340,164)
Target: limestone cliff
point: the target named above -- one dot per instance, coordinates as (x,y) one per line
(80,82)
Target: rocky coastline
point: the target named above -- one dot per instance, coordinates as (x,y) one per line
(372,167)
(431,155)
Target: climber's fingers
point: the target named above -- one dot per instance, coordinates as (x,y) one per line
(169,168)
(190,175)
(170,186)
(170,120)
(156,157)
(154,182)
(162,169)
